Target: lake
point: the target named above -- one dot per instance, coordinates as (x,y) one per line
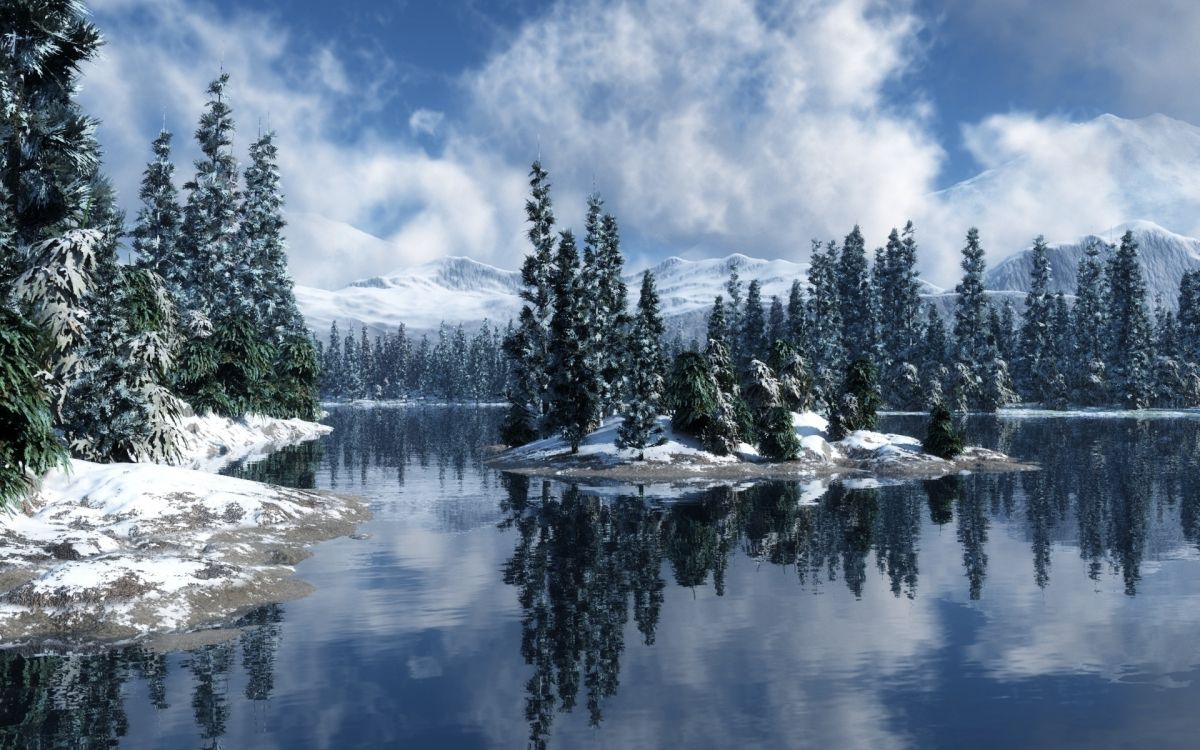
(1049,609)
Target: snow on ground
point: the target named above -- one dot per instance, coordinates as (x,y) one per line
(112,551)
(600,445)
(211,442)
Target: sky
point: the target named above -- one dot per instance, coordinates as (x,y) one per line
(708,126)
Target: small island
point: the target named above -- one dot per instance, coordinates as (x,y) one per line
(679,458)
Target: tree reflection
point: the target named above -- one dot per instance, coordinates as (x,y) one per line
(78,700)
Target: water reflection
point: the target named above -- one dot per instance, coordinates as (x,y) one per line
(79,701)
(582,563)
(495,610)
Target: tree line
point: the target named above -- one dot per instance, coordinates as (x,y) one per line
(100,359)
(453,367)
(853,337)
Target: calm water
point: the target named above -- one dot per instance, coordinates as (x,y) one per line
(1054,609)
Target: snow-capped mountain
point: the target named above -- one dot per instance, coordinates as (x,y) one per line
(1164,256)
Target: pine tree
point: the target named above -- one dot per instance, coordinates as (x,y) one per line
(797,320)
(795,384)
(777,438)
(859,403)
(693,394)
(981,376)
(614,321)
(640,425)
(575,386)
(528,346)
(855,299)
(901,327)
(48,164)
(734,313)
(754,325)
(730,419)
(1089,320)
(825,323)
(1189,317)
(943,439)
(1033,369)
(157,236)
(1128,336)
(776,323)
(717,327)
(934,370)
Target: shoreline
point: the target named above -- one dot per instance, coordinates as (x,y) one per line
(104,554)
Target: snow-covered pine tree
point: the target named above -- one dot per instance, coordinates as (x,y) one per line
(528,346)
(575,386)
(795,384)
(333,379)
(825,323)
(352,368)
(717,327)
(730,420)
(1059,354)
(859,403)
(1129,358)
(797,320)
(934,360)
(734,314)
(614,323)
(1034,364)
(1006,335)
(776,323)
(1089,320)
(210,224)
(754,326)
(777,438)
(981,378)
(157,234)
(854,299)
(1189,317)
(692,394)
(1171,385)
(640,425)
(48,163)
(901,326)
(943,439)
(270,284)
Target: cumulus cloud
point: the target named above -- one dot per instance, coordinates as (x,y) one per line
(159,60)
(723,125)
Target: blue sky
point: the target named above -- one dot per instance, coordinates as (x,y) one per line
(710,127)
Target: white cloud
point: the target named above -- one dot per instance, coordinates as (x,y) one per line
(425,122)
(723,124)
(160,57)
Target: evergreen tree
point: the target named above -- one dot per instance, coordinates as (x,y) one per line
(717,327)
(48,164)
(859,403)
(693,394)
(943,439)
(797,320)
(1128,352)
(777,438)
(825,322)
(734,313)
(614,319)
(528,346)
(730,419)
(795,384)
(1188,317)
(981,376)
(776,323)
(934,370)
(1088,380)
(640,425)
(854,298)
(754,325)
(575,387)
(901,327)
(1034,365)
(332,377)
(157,237)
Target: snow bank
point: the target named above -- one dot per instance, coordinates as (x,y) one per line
(211,442)
(601,446)
(111,551)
